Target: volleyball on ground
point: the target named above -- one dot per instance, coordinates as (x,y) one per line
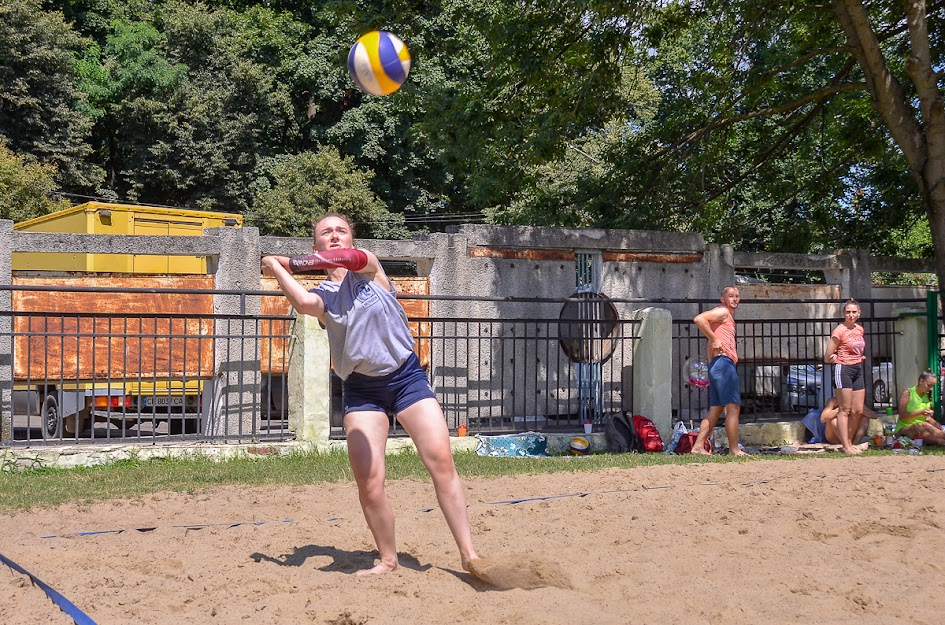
(579,446)
(379,63)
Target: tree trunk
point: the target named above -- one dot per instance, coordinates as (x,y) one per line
(919,134)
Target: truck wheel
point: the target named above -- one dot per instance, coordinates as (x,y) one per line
(880,394)
(52,418)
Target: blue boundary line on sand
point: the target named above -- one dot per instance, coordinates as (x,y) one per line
(192,526)
(77,615)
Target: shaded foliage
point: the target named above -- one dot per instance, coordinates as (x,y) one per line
(745,120)
(39,102)
(26,188)
(291,192)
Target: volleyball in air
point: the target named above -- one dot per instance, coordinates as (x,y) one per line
(379,63)
(579,446)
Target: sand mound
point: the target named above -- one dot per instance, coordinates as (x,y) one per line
(517,570)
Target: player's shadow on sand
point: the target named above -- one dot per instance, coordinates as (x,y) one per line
(342,561)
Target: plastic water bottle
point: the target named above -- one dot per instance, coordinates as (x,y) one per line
(678,430)
(889,427)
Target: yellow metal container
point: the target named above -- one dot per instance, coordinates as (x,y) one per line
(107,218)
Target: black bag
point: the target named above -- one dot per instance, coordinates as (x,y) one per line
(620,435)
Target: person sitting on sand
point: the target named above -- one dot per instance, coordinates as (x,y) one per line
(916,416)
(857,426)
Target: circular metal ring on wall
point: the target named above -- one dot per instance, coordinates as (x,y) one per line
(588,328)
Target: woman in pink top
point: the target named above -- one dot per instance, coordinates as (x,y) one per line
(718,327)
(846,352)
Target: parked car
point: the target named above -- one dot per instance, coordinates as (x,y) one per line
(801,389)
(884,383)
(802,384)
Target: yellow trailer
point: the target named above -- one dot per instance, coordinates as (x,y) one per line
(76,360)
(107,218)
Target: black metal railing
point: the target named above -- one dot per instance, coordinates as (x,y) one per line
(94,377)
(781,370)
(150,377)
(502,375)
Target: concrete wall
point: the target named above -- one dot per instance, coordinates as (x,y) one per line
(482,264)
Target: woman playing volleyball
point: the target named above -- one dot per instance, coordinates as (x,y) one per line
(372,352)
(846,352)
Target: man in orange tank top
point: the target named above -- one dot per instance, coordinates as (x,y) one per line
(718,326)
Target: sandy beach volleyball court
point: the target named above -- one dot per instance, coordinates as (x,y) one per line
(813,540)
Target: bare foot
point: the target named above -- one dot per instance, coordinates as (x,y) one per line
(379,569)
(467,560)
(851,450)
(699,451)
(737,452)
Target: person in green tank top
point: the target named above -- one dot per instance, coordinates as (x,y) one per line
(916,416)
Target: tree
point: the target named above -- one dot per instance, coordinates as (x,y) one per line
(292,191)
(915,117)
(761,135)
(26,188)
(39,103)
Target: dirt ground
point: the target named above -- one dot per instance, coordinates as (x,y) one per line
(816,540)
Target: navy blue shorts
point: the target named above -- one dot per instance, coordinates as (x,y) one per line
(849,376)
(723,382)
(392,393)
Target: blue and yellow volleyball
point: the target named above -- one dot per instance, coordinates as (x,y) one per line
(579,446)
(379,63)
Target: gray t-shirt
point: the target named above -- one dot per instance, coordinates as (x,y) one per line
(367,328)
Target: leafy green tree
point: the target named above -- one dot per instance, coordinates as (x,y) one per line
(764,134)
(907,98)
(26,188)
(292,190)
(39,103)
(187,98)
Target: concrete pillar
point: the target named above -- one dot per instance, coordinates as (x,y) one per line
(653,368)
(234,404)
(911,355)
(854,275)
(6,332)
(719,263)
(309,382)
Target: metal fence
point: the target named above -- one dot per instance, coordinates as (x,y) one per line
(936,342)
(502,375)
(781,370)
(94,377)
(148,377)
(87,377)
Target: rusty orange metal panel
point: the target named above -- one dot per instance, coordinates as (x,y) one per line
(416,308)
(97,335)
(653,257)
(274,351)
(524,253)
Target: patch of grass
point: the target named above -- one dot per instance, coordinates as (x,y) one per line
(42,488)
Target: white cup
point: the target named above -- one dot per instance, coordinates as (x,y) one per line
(588,428)
(918,442)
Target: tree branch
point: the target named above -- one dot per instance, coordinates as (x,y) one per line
(919,69)
(817,96)
(888,95)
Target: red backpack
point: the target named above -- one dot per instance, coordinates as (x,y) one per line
(648,437)
(684,446)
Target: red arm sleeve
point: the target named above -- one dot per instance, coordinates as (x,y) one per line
(352,259)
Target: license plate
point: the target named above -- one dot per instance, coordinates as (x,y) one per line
(163,401)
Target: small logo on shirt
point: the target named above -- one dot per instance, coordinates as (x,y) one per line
(365,294)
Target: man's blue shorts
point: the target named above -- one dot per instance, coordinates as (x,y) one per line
(723,382)
(392,393)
